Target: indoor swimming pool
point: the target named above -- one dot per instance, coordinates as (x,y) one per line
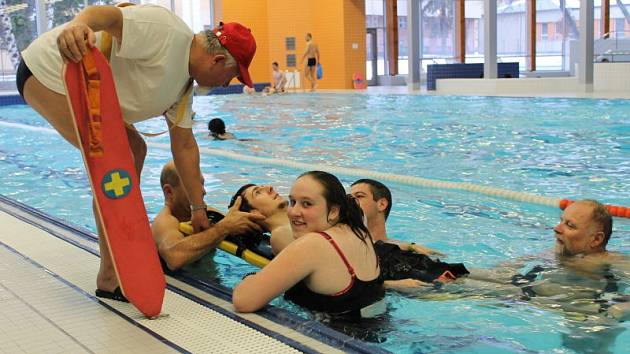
(560,148)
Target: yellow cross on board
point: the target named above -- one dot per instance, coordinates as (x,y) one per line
(117,184)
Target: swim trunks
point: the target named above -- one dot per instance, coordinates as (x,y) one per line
(397,264)
(311,62)
(23,73)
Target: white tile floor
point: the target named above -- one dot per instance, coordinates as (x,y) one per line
(41,314)
(46,306)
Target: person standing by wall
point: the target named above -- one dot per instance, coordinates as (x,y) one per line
(312,56)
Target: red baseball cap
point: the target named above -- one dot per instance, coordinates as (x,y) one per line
(238,40)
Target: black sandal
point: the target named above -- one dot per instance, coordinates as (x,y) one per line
(115,295)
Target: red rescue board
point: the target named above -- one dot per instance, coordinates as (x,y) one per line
(108,159)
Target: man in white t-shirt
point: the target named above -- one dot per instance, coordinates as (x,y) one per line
(279,81)
(154,58)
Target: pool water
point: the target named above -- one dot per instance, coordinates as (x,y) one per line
(561,148)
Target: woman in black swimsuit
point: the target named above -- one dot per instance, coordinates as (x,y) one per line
(331,266)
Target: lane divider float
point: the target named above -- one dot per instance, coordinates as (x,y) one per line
(615,210)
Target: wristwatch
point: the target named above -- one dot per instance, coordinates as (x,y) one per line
(194,207)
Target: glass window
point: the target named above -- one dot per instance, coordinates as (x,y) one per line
(289,43)
(558,31)
(544,31)
(370,54)
(291,60)
(569,31)
(381,58)
(620,24)
(403,40)
(60,12)
(512,32)
(19,28)
(438,30)
(196,13)
(375,18)
(474,31)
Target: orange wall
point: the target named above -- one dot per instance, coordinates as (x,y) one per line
(252,14)
(334,24)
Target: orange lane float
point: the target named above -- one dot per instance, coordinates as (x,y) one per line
(615,210)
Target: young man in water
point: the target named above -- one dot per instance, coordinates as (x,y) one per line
(403,265)
(265,201)
(375,200)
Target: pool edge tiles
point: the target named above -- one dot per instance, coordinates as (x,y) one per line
(59,309)
(308,337)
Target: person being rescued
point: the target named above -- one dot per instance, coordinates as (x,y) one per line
(403,265)
(330,266)
(176,249)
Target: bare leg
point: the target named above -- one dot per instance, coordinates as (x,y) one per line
(138,148)
(307,75)
(313,70)
(52,106)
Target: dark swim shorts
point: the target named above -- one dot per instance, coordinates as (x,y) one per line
(312,62)
(397,264)
(23,73)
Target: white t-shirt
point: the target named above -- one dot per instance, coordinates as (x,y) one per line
(278,78)
(150,66)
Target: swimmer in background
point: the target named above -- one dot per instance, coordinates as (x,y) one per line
(216,127)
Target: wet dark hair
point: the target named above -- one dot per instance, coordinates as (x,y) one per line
(379,190)
(349,211)
(250,240)
(216,126)
(245,206)
(275,63)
